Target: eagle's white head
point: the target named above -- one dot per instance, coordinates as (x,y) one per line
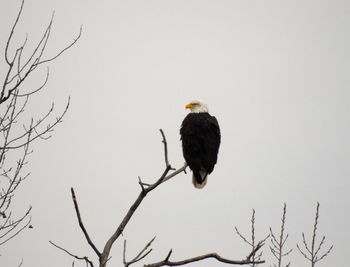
(197,106)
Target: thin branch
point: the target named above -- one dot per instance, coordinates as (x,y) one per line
(21,48)
(242,237)
(81,224)
(33,62)
(15,227)
(48,129)
(38,89)
(32,67)
(312,253)
(11,33)
(254,258)
(176,172)
(278,245)
(325,254)
(255,249)
(140,256)
(305,244)
(65,49)
(165,149)
(303,253)
(143,252)
(86,259)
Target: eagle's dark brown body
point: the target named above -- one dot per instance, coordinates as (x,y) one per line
(200,135)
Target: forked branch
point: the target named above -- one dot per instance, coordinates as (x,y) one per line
(86,259)
(19,70)
(144,191)
(167,174)
(140,256)
(214,255)
(255,258)
(278,243)
(311,252)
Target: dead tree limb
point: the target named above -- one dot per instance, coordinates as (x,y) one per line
(164,177)
(248,260)
(167,174)
(146,188)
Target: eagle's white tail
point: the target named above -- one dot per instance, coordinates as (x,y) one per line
(202,178)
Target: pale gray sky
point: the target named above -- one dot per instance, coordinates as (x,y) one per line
(276,74)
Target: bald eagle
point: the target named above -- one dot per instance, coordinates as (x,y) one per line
(200,136)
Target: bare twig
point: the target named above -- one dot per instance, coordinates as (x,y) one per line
(11,34)
(277,245)
(64,49)
(140,256)
(12,229)
(33,62)
(255,259)
(312,253)
(165,149)
(38,89)
(33,127)
(88,262)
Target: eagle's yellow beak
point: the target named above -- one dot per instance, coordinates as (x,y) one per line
(190,105)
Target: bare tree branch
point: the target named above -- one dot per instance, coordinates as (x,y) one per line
(81,224)
(167,262)
(254,258)
(13,227)
(312,253)
(34,60)
(38,89)
(11,33)
(145,189)
(164,177)
(64,49)
(278,245)
(140,256)
(88,262)
(165,149)
(17,136)
(33,127)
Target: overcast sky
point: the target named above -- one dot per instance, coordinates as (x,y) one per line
(276,74)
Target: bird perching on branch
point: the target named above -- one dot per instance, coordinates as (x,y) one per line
(200,135)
